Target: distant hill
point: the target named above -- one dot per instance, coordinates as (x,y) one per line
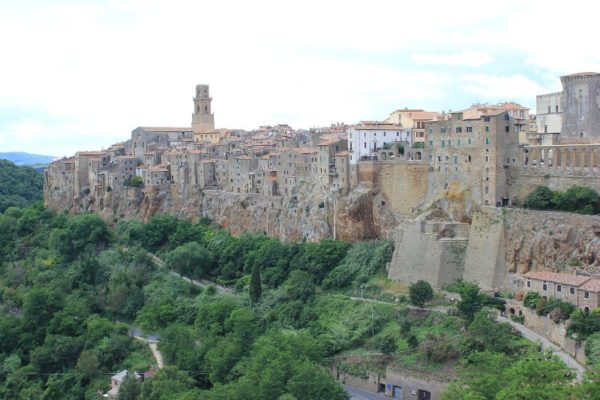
(19,185)
(22,158)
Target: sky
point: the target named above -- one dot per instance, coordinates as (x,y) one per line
(81,74)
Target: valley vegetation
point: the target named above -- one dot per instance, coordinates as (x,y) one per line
(72,288)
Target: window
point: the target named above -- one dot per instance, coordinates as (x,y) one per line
(487,140)
(528,283)
(458,142)
(384,134)
(572,290)
(365,145)
(487,158)
(443,144)
(507,129)
(449,142)
(442,130)
(559,288)
(458,129)
(549,109)
(469,129)
(469,141)
(487,128)
(431,142)
(586,295)
(545,286)
(455,159)
(556,108)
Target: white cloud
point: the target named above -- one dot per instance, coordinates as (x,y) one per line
(501,87)
(468,58)
(97,69)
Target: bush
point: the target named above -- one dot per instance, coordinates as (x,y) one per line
(579,199)
(420,293)
(531,299)
(362,261)
(136,181)
(541,199)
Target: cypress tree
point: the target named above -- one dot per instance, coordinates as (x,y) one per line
(255,288)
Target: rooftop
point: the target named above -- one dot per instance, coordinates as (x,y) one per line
(593,285)
(558,277)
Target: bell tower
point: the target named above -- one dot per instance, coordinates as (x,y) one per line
(203,119)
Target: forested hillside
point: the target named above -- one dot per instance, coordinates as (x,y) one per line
(72,288)
(19,186)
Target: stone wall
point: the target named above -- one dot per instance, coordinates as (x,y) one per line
(499,246)
(412,384)
(403,184)
(430,251)
(542,325)
(485,260)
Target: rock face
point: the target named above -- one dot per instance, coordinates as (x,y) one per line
(546,240)
(312,214)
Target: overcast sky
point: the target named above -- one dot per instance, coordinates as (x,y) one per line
(81,74)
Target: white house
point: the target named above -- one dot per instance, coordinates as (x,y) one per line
(368,137)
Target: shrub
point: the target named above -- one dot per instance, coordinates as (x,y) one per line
(531,299)
(579,199)
(420,293)
(136,181)
(541,199)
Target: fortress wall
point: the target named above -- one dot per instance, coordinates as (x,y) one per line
(527,179)
(485,257)
(404,185)
(421,254)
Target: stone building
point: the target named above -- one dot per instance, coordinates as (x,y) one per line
(203,119)
(548,113)
(146,139)
(368,137)
(413,119)
(470,153)
(579,290)
(580,101)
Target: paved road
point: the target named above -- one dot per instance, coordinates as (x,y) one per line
(546,344)
(359,394)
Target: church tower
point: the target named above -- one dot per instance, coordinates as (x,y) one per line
(203,119)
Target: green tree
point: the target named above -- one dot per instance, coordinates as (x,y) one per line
(470,301)
(388,344)
(166,384)
(255,288)
(191,260)
(579,199)
(541,199)
(420,293)
(487,334)
(130,389)
(88,363)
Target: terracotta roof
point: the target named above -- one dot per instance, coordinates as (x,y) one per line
(328,142)
(558,277)
(164,129)
(342,154)
(305,150)
(593,285)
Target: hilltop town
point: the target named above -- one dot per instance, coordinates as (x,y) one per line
(436,182)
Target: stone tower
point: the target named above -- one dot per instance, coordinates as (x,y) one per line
(203,119)
(581,107)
